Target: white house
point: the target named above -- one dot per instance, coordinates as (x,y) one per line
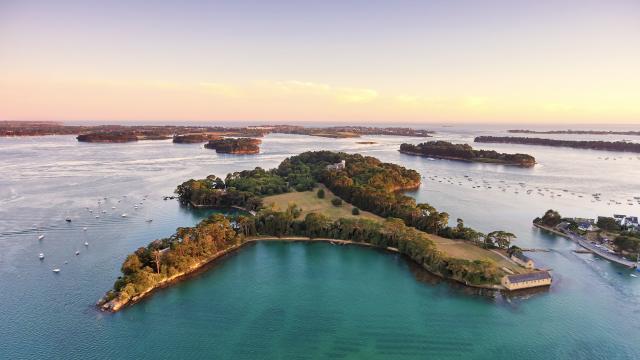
(337,166)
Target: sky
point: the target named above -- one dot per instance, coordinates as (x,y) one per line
(338,61)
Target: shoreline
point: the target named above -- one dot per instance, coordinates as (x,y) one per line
(113,306)
(453,158)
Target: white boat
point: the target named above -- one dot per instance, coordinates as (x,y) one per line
(41,256)
(40,237)
(634,275)
(56,270)
(84,229)
(113,207)
(124,215)
(86,243)
(77,252)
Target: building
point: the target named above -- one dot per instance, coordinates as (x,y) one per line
(337,166)
(525,281)
(523,260)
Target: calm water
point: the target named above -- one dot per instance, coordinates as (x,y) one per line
(275,300)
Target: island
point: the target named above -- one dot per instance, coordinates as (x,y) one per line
(575,132)
(108,137)
(345,131)
(577,144)
(345,199)
(464,152)
(235,145)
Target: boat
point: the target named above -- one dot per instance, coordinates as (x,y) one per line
(86,243)
(40,237)
(41,256)
(56,270)
(149,220)
(84,229)
(634,275)
(68,219)
(77,252)
(124,215)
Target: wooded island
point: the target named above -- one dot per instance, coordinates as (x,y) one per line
(464,152)
(416,230)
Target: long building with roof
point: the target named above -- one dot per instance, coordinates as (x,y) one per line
(528,280)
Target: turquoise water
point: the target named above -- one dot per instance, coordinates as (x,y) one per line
(275,300)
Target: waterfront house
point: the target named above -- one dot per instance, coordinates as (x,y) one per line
(523,260)
(337,166)
(586,226)
(525,281)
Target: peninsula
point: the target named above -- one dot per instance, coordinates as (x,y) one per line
(464,152)
(235,145)
(388,220)
(577,144)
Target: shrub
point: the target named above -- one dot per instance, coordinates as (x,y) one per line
(355,211)
(321,194)
(336,202)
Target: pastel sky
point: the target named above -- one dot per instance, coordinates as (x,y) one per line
(420,61)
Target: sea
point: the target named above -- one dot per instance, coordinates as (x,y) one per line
(297,300)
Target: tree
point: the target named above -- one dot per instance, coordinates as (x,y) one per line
(320,194)
(551,218)
(157,255)
(608,223)
(131,264)
(336,202)
(355,211)
(501,239)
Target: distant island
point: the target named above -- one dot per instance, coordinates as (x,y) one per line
(235,145)
(108,137)
(362,210)
(157,132)
(464,152)
(577,144)
(576,132)
(195,138)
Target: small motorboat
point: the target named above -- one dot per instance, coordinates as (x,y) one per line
(149,220)
(77,252)
(56,270)
(124,215)
(86,243)
(634,275)
(41,256)
(97,216)
(40,237)
(84,229)
(113,207)
(67,219)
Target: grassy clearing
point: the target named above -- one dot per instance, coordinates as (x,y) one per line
(309,202)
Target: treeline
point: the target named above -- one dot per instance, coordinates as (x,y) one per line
(576,132)
(194,246)
(447,150)
(578,144)
(194,138)
(211,192)
(235,145)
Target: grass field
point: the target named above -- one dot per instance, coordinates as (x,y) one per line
(309,202)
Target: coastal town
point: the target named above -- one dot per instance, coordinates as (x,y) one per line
(615,238)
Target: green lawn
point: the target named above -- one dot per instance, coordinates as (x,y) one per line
(309,202)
